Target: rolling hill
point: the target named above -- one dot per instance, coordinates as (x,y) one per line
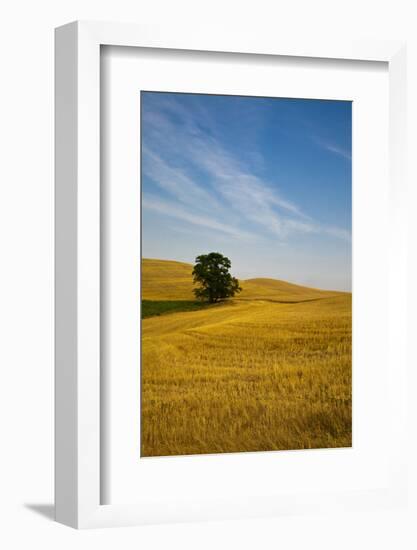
(171,280)
(166,280)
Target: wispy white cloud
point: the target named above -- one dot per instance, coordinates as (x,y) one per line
(337,232)
(176,154)
(172,209)
(333,148)
(172,179)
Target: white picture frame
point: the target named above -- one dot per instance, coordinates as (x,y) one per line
(78,405)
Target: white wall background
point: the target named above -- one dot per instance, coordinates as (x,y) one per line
(26,271)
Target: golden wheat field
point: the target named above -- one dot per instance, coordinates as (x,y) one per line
(269,370)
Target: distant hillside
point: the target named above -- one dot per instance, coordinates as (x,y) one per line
(280,291)
(171,280)
(166,280)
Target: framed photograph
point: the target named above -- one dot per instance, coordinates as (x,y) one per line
(260,361)
(229,331)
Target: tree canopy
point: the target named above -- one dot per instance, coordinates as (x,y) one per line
(211,272)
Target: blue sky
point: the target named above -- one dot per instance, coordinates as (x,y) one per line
(264,181)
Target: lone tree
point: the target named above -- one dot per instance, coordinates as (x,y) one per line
(211,271)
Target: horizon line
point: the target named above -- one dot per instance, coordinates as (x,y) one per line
(256,278)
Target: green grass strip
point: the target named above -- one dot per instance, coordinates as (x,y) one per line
(152,308)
